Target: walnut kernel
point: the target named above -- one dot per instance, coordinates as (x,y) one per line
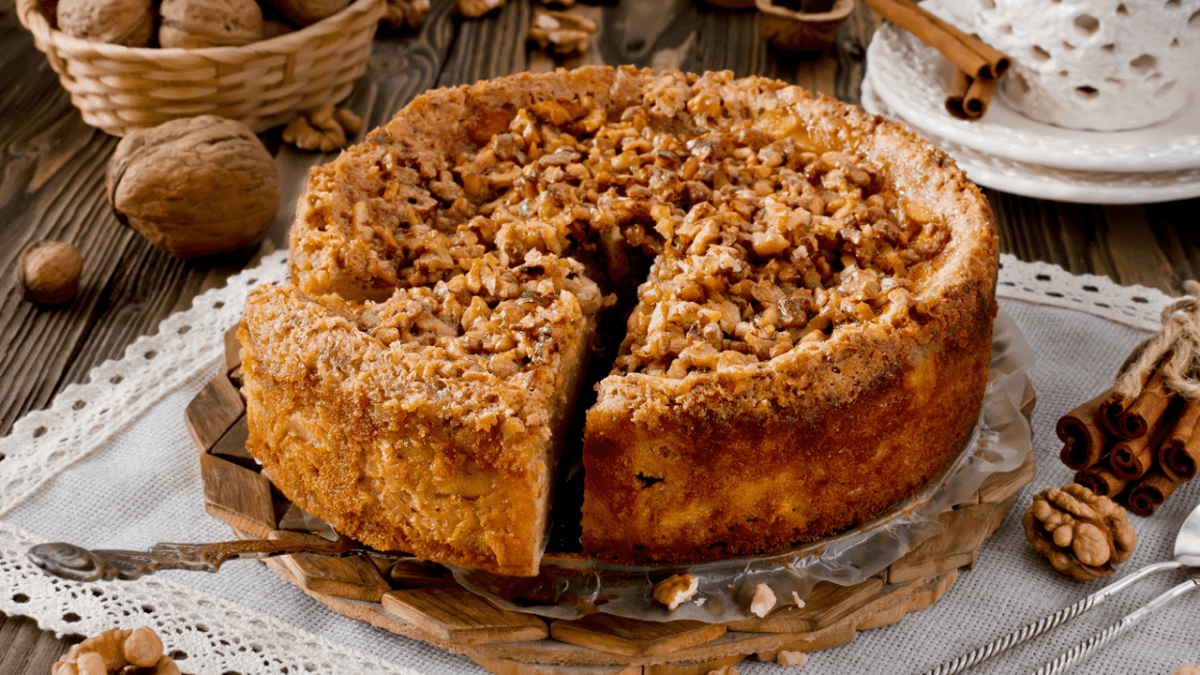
(676,590)
(196,24)
(473,9)
(49,271)
(195,186)
(405,13)
(1082,534)
(561,32)
(324,128)
(122,22)
(117,650)
(143,647)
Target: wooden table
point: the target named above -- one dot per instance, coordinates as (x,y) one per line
(52,187)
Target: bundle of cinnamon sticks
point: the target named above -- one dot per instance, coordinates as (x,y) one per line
(1136,451)
(979,65)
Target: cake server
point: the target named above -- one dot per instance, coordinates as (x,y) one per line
(1187,556)
(80,564)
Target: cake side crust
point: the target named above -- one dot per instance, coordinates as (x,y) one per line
(399,458)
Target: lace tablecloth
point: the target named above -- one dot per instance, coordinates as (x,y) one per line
(111,465)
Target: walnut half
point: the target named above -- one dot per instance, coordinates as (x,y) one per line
(405,13)
(473,9)
(323,128)
(117,651)
(561,32)
(1082,534)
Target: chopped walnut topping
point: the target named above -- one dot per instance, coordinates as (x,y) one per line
(763,242)
(676,590)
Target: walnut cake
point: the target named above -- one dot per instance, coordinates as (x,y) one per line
(803,295)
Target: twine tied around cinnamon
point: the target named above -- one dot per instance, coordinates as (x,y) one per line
(1139,440)
(1175,351)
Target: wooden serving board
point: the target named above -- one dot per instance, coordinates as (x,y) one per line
(423,602)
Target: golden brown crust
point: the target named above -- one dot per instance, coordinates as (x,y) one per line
(822,279)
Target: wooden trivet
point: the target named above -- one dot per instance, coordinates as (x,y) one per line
(423,602)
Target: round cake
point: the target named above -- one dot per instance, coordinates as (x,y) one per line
(789,303)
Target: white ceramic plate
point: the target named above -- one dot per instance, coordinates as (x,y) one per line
(1045,182)
(912,78)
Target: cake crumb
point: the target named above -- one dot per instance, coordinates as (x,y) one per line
(764,600)
(1187,669)
(676,590)
(797,600)
(792,659)
(727,670)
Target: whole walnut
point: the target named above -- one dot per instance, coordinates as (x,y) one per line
(1081,533)
(195,186)
(121,22)
(305,12)
(196,24)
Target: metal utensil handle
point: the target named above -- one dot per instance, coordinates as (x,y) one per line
(1035,629)
(1098,640)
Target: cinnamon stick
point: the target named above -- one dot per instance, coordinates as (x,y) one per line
(1101,480)
(1150,492)
(1131,459)
(1084,440)
(973,56)
(969,98)
(1179,452)
(1149,406)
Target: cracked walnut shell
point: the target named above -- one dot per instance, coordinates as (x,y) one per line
(1081,533)
(195,186)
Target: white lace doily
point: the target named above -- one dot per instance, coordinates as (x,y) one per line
(205,634)
(56,460)
(84,416)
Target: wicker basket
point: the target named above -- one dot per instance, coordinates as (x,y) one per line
(263,84)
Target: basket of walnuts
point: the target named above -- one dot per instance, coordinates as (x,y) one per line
(131,64)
